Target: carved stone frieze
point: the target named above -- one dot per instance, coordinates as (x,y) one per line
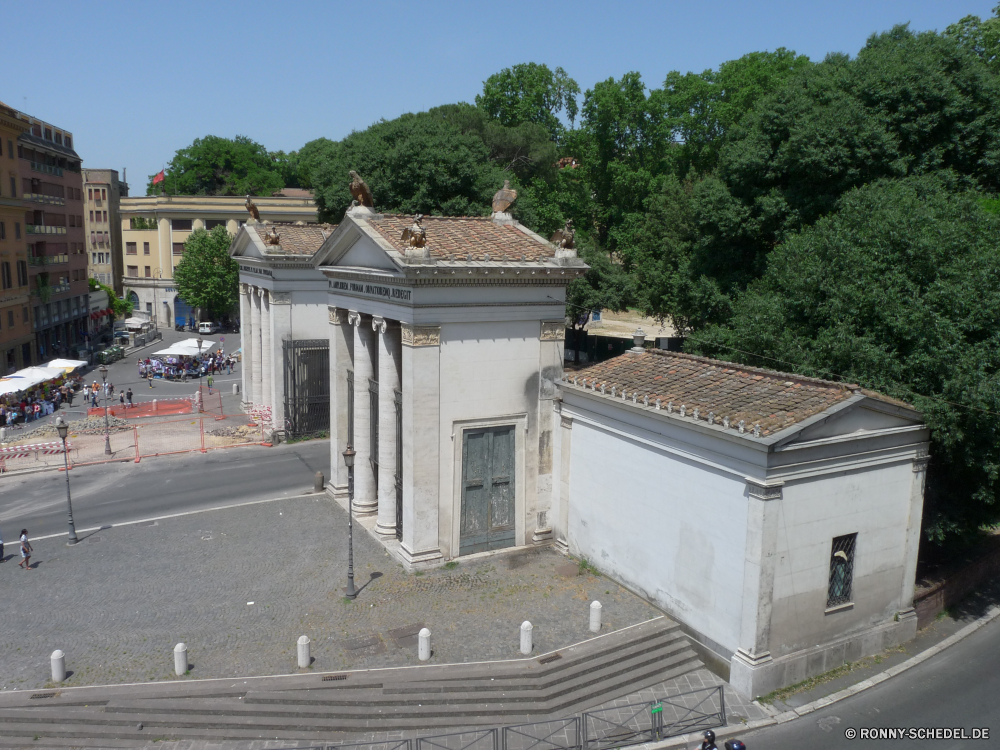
(763,491)
(553,330)
(337,315)
(420,335)
(281,298)
(566,422)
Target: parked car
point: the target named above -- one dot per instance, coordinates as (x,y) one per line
(208,328)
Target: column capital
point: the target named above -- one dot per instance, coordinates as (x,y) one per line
(354,318)
(921,460)
(281,298)
(260,291)
(337,315)
(420,335)
(566,422)
(379,324)
(243,288)
(763,490)
(553,330)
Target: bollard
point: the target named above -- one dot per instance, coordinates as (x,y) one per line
(318,482)
(304,659)
(595,616)
(236,388)
(180,659)
(58,666)
(526,637)
(424,646)
(155,406)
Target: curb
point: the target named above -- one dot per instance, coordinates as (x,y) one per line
(795,713)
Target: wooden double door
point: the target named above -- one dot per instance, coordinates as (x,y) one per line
(487,490)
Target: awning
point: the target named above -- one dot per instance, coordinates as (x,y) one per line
(66,365)
(27,378)
(186,348)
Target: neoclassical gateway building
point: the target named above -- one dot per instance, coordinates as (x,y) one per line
(776,517)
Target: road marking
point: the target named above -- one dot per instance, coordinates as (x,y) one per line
(179,515)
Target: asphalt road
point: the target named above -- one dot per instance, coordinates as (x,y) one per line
(957,689)
(108,494)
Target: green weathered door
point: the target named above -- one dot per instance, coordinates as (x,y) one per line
(487,490)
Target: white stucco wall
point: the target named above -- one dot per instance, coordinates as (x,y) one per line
(872,502)
(671,528)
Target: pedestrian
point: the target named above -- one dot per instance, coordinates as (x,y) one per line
(121,398)
(149,379)
(210,381)
(128,397)
(2,558)
(25,551)
(93,399)
(38,411)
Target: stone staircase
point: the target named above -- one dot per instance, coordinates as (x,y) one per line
(339,707)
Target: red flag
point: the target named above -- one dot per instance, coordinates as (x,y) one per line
(159,177)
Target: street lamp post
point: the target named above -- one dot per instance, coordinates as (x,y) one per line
(63,430)
(201,404)
(349,454)
(107,431)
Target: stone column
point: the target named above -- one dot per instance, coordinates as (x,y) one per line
(421,444)
(916,514)
(550,363)
(561,530)
(246,305)
(389,355)
(365,344)
(281,331)
(255,350)
(266,351)
(341,362)
(751,668)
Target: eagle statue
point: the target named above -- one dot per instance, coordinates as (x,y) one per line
(360,191)
(416,235)
(504,198)
(564,238)
(272,238)
(252,209)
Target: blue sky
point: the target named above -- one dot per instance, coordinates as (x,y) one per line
(134,81)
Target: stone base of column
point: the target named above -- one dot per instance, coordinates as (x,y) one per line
(411,560)
(383,530)
(541,536)
(561,546)
(337,491)
(365,509)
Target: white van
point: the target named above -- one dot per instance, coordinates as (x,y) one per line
(208,328)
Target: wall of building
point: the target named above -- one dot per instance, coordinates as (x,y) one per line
(672,528)
(102,194)
(16,331)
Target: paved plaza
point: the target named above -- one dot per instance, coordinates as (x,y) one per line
(240,585)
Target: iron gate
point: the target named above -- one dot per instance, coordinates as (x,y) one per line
(398,398)
(307,386)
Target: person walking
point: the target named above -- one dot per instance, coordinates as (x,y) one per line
(128,397)
(121,398)
(211,380)
(25,551)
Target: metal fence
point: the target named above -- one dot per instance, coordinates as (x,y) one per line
(614,727)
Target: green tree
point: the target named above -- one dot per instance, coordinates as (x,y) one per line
(896,291)
(221,166)
(207,276)
(530,93)
(121,308)
(982,37)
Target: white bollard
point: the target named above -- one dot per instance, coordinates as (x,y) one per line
(155,406)
(526,629)
(58,666)
(424,644)
(595,616)
(236,388)
(180,659)
(304,659)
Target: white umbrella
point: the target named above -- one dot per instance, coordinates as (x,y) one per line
(24,379)
(66,365)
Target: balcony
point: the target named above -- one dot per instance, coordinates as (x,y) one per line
(39,198)
(46,169)
(42,229)
(47,260)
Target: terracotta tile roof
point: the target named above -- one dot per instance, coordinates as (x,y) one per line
(458,237)
(772,400)
(297,239)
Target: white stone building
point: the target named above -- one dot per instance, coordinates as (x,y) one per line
(776,517)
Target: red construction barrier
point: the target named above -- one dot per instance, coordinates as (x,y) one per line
(155,407)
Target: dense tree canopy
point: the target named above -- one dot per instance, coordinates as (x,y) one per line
(207,277)
(530,93)
(896,290)
(220,166)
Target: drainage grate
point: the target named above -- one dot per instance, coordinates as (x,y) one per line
(550,659)
(42,695)
(332,677)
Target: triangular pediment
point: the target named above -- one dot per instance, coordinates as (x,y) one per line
(352,246)
(865,416)
(246,244)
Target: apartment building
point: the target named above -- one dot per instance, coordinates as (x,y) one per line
(16,333)
(52,199)
(102,224)
(155,227)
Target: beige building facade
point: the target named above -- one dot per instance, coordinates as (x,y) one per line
(102,194)
(16,332)
(155,227)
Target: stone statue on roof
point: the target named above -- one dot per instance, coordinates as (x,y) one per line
(252,208)
(272,238)
(415,235)
(360,191)
(504,198)
(564,238)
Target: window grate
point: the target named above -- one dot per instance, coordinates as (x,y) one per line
(841,570)
(550,659)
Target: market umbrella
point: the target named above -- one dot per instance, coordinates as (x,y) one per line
(66,365)
(24,379)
